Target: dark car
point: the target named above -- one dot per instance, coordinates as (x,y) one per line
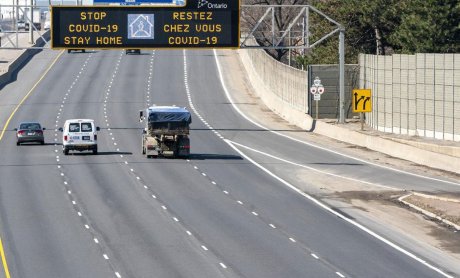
(133,51)
(70,50)
(29,132)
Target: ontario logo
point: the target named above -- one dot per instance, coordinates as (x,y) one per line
(210,5)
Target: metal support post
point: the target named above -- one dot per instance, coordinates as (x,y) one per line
(31,22)
(342,76)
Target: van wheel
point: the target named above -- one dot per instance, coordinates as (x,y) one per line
(95,151)
(66,151)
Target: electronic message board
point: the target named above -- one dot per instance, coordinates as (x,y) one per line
(199,24)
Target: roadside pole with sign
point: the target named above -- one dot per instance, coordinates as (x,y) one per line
(317,89)
(361,102)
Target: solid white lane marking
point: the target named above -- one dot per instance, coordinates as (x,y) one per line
(224,86)
(314,169)
(339,215)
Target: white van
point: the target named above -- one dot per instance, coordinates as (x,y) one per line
(79,135)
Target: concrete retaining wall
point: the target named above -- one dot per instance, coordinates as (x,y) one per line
(282,88)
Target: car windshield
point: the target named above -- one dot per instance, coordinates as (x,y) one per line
(74,127)
(32,126)
(86,127)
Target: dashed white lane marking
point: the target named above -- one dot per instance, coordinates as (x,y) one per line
(223,266)
(340,274)
(288,184)
(291,239)
(105,256)
(87,226)
(79,214)
(239,202)
(213,182)
(175,219)
(96,240)
(163,207)
(225,192)
(339,215)
(204,248)
(255,213)
(188,233)
(273,226)
(154,197)
(314,256)
(117,274)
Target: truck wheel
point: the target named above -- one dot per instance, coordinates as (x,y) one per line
(95,151)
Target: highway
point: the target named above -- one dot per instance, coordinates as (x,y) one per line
(231,210)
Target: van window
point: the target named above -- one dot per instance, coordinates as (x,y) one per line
(74,127)
(86,127)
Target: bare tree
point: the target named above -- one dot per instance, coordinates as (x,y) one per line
(283,15)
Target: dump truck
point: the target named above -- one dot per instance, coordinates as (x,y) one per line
(166,131)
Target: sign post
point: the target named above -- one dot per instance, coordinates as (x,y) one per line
(317,89)
(362,102)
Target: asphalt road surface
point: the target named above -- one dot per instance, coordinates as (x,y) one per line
(228,211)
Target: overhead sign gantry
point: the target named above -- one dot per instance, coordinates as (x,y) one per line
(197,24)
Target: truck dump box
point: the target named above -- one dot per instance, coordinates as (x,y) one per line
(167,120)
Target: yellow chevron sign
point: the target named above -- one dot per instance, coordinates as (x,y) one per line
(361,100)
